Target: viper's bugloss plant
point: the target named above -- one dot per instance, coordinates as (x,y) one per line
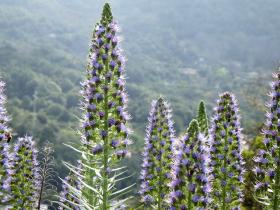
(202,118)
(157,156)
(226,161)
(24,175)
(267,160)
(105,134)
(5,172)
(190,172)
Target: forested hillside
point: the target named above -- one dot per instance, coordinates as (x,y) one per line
(183,50)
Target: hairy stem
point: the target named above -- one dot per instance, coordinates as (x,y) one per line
(189,196)
(160,179)
(91,175)
(276,187)
(225,175)
(42,182)
(106,155)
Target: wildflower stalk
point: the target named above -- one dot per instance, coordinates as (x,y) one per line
(104,125)
(267,160)
(226,160)
(5,172)
(158,152)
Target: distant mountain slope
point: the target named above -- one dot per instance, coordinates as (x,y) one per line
(184,50)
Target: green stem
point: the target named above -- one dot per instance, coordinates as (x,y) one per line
(42,184)
(89,174)
(160,179)
(189,192)
(225,175)
(189,196)
(90,182)
(276,186)
(106,155)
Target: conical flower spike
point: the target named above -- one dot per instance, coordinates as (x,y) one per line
(105,134)
(190,173)
(226,159)
(5,162)
(24,183)
(268,160)
(156,166)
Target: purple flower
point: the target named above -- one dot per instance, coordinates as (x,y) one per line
(112,64)
(103,134)
(101,114)
(111,122)
(115,143)
(97,149)
(92,107)
(195,198)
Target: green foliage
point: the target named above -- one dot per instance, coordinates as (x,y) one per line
(202,118)
(248,155)
(107,16)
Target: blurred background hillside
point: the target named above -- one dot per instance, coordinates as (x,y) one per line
(184,50)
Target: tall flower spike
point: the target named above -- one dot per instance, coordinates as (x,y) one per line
(190,173)
(5,161)
(158,152)
(226,160)
(105,137)
(202,118)
(24,183)
(267,161)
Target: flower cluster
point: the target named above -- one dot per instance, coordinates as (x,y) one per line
(24,174)
(267,161)
(190,173)
(5,173)
(226,160)
(156,167)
